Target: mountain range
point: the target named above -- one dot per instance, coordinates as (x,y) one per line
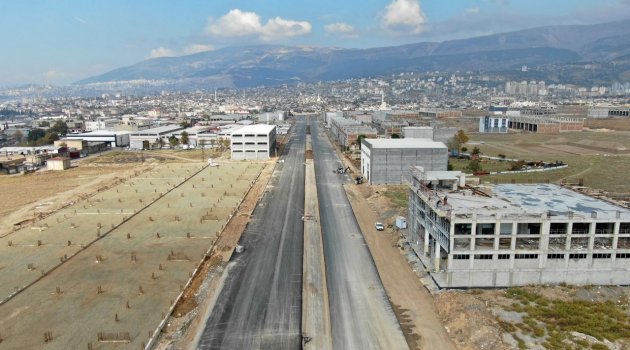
(248,66)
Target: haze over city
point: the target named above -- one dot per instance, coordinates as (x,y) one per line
(60,42)
(355,175)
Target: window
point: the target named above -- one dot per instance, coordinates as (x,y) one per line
(237,150)
(623,255)
(525,256)
(250,135)
(581,228)
(555,256)
(237,135)
(250,143)
(262,135)
(237,143)
(577,256)
(250,151)
(558,228)
(461,257)
(504,256)
(483,256)
(601,255)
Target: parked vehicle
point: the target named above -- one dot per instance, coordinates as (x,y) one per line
(379,226)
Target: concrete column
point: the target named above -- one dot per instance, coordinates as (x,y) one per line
(591,236)
(615,240)
(567,244)
(436,258)
(426,242)
(544,243)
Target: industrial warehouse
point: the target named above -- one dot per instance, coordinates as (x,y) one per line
(387,161)
(515,234)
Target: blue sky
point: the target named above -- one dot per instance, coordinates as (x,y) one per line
(61,41)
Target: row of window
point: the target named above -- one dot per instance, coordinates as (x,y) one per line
(249,151)
(249,143)
(249,135)
(535,256)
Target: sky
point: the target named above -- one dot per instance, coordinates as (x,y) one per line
(62,41)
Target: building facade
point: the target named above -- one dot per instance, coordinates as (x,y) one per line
(494,124)
(387,161)
(511,235)
(254,142)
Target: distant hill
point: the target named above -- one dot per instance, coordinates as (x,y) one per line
(272,65)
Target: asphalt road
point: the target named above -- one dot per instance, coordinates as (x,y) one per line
(260,304)
(360,314)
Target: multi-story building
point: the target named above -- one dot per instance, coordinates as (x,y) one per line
(494,124)
(254,142)
(515,234)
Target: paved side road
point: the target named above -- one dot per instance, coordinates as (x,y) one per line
(361,316)
(259,306)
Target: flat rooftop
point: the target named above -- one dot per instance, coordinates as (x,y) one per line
(533,199)
(257,128)
(404,143)
(158,130)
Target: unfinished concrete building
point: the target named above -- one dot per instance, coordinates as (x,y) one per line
(545,124)
(516,234)
(387,161)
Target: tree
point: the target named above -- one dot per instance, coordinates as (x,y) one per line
(464,149)
(360,139)
(184,139)
(44,124)
(60,127)
(461,137)
(146,144)
(159,142)
(474,166)
(395,136)
(476,150)
(173,141)
(35,135)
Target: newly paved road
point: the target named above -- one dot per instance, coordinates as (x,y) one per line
(360,314)
(260,304)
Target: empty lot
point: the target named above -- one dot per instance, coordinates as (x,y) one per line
(114,262)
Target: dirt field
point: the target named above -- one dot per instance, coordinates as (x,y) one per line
(115,262)
(600,158)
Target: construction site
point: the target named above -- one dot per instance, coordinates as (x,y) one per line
(106,271)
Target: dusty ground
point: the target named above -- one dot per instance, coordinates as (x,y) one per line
(600,158)
(67,294)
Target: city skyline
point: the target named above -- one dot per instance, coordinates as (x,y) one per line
(62,42)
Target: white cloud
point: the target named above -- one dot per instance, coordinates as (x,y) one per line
(279,27)
(195,48)
(80,20)
(237,23)
(472,10)
(162,52)
(404,16)
(344,29)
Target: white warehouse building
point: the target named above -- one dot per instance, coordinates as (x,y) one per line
(515,234)
(387,161)
(254,142)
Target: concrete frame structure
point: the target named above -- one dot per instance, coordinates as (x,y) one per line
(545,124)
(254,142)
(609,112)
(387,161)
(509,235)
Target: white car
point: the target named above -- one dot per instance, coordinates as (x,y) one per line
(379,226)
